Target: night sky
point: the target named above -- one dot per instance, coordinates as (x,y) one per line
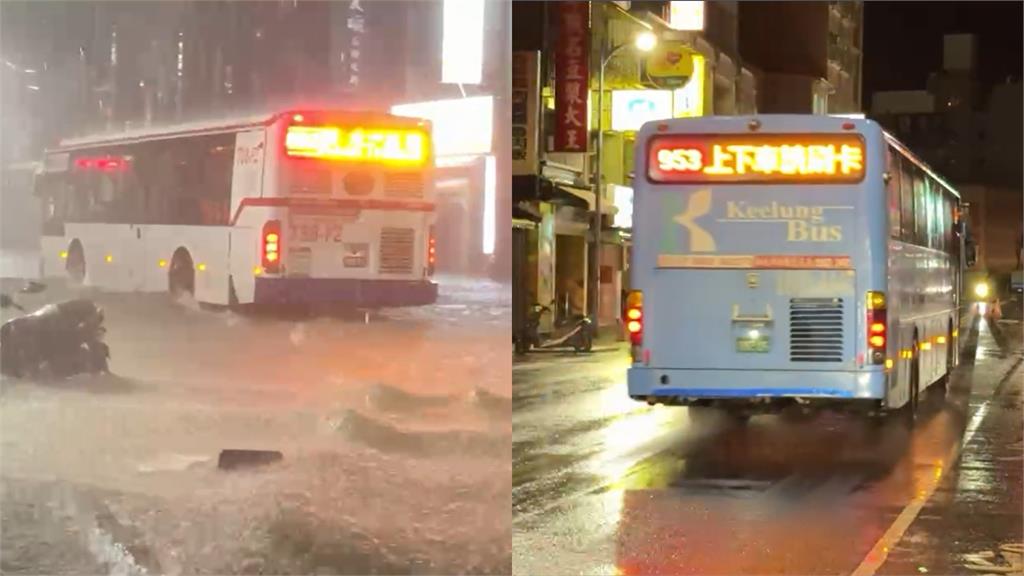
(903,41)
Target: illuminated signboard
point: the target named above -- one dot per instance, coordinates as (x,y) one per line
(755,158)
(686,15)
(631,108)
(357,144)
(460,126)
(688,101)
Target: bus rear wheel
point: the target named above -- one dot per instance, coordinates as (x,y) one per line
(181,278)
(910,408)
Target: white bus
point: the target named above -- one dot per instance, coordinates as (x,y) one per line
(295,207)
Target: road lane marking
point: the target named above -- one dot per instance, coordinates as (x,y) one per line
(880,552)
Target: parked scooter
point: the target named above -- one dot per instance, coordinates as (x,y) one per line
(576,332)
(58,339)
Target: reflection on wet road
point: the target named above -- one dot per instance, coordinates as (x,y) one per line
(603,485)
(395,436)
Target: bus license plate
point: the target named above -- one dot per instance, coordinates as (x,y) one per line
(747,344)
(316,232)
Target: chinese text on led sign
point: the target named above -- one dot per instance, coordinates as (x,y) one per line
(756,158)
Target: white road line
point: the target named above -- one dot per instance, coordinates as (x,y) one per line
(880,551)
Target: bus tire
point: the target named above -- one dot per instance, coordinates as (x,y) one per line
(913,385)
(181,277)
(232,294)
(75,264)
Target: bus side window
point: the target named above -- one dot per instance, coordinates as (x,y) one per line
(906,201)
(893,191)
(950,223)
(920,209)
(218,163)
(52,192)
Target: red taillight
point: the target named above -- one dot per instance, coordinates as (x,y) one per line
(877,326)
(635,317)
(272,246)
(431,252)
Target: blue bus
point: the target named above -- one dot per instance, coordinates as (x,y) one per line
(790,260)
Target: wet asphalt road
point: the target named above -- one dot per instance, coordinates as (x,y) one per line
(395,436)
(603,485)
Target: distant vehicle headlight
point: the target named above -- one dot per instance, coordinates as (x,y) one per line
(981,289)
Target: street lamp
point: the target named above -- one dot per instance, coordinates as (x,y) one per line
(644,41)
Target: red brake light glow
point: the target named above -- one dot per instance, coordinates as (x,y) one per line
(876,322)
(431,252)
(389,146)
(272,246)
(104,164)
(635,318)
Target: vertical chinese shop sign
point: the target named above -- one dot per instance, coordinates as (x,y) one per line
(572,76)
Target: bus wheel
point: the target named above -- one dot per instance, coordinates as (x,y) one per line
(943,384)
(181,278)
(232,295)
(910,408)
(75,265)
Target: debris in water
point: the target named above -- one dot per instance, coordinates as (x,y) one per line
(231,459)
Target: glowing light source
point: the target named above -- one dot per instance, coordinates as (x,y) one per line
(393,146)
(756,158)
(462,42)
(162,263)
(688,101)
(63,254)
(201,267)
(926,345)
(109,258)
(633,326)
(940,340)
(632,108)
(459,127)
(877,341)
(645,41)
(634,314)
(686,15)
(981,290)
(888,363)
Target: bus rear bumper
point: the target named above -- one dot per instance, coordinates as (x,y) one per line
(682,386)
(355,292)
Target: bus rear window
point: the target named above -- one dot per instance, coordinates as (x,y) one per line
(755,158)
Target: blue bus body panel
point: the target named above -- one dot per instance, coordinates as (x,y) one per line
(701,384)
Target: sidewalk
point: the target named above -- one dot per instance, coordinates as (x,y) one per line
(972,524)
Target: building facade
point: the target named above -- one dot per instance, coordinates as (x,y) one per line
(727,66)
(973,138)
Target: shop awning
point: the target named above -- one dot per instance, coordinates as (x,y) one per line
(525,211)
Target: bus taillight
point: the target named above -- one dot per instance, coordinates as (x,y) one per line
(431,252)
(272,246)
(635,317)
(877,326)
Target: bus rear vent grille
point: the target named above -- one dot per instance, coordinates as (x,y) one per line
(403,184)
(816,330)
(397,247)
